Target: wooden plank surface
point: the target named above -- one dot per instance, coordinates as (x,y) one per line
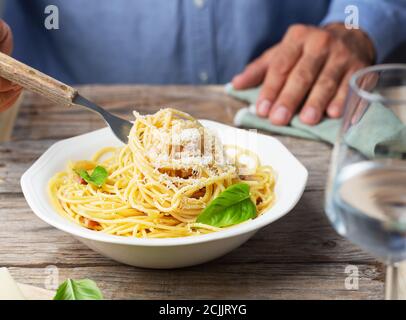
(297,257)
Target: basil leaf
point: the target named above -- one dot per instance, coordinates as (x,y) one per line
(84,289)
(230,207)
(98,176)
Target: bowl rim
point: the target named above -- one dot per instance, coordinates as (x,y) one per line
(70,227)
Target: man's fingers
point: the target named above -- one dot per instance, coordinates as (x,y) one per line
(302,77)
(286,55)
(323,91)
(253,73)
(295,89)
(6,39)
(6,46)
(336,105)
(7,99)
(281,63)
(309,61)
(252,76)
(6,85)
(9,92)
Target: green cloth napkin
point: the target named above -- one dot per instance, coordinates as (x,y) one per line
(369,136)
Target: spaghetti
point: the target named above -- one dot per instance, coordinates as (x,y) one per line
(157,184)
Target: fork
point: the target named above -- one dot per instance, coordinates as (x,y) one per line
(38,82)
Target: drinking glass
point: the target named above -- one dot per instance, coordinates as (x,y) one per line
(366,188)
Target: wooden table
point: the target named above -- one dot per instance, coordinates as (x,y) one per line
(297,257)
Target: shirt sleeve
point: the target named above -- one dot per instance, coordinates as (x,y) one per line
(384,21)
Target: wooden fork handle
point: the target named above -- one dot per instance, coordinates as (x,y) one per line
(36,81)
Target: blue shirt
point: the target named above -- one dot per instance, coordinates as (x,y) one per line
(175,41)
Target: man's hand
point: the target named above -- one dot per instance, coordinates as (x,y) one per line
(9,92)
(311,67)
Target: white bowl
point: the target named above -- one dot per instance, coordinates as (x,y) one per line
(171,252)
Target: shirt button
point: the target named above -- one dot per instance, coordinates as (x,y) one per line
(199,3)
(203,76)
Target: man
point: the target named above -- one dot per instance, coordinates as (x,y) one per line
(300,51)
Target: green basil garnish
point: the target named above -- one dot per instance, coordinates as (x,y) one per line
(98,176)
(230,207)
(84,289)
